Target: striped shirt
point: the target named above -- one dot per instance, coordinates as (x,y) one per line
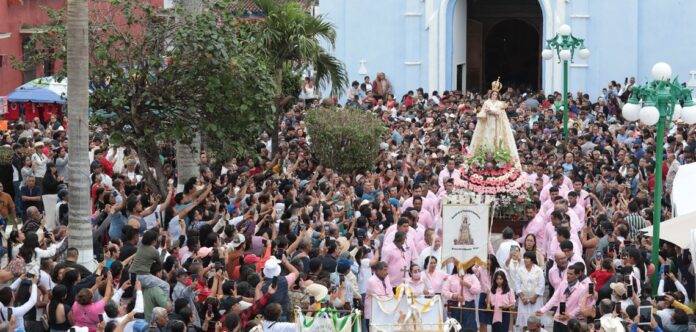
(635,223)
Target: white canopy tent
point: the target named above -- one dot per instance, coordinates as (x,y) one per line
(676,230)
(683,194)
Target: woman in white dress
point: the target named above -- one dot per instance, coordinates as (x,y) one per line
(529,286)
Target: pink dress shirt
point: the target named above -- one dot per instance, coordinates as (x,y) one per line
(434,205)
(579,211)
(546,208)
(435,280)
(426,219)
(410,243)
(536,227)
(419,286)
(445,173)
(453,286)
(557,277)
(562,191)
(545,179)
(572,300)
(428,204)
(498,300)
(396,261)
(484,278)
(375,287)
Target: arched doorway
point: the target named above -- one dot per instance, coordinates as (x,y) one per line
(503,38)
(511,51)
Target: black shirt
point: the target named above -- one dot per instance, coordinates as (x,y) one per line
(329,263)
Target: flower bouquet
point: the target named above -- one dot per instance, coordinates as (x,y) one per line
(492,172)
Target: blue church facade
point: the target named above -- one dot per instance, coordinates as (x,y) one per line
(450,44)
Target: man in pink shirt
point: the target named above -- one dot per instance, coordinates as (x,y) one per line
(561,205)
(536,226)
(425,218)
(403,225)
(450,172)
(583,196)
(539,174)
(397,258)
(574,205)
(550,234)
(556,181)
(461,290)
(564,233)
(433,201)
(569,292)
(426,242)
(547,207)
(557,273)
(418,191)
(377,286)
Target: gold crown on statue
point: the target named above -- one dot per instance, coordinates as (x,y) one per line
(496,85)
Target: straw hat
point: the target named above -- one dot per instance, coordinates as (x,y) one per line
(343,244)
(318,291)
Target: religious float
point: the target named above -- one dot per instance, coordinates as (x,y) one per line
(406,312)
(492,166)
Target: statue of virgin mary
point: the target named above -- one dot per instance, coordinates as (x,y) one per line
(493,165)
(493,130)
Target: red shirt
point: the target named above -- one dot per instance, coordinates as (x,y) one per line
(600,277)
(108,167)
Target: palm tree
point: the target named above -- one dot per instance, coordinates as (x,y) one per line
(187,155)
(78,130)
(292,37)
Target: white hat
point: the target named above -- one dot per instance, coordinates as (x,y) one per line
(237,241)
(271,268)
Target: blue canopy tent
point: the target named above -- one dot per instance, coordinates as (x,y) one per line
(41,90)
(42,98)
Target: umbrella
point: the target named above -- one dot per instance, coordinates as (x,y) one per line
(41,90)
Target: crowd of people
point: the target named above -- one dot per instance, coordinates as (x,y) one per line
(251,239)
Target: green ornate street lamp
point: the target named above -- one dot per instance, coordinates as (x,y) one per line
(662,103)
(565,44)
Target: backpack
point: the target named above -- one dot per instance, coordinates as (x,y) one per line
(17,266)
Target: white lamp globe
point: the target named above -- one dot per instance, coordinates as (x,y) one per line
(631,112)
(564,30)
(649,115)
(661,71)
(565,55)
(677,112)
(689,115)
(547,54)
(584,53)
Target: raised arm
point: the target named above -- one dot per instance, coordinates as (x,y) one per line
(293,247)
(24,308)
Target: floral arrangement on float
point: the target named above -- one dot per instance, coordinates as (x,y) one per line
(496,172)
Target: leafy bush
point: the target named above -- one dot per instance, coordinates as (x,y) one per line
(345,140)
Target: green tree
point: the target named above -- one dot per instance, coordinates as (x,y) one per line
(294,38)
(345,140)
(156,79)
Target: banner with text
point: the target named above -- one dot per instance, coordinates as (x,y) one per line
(465,232)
